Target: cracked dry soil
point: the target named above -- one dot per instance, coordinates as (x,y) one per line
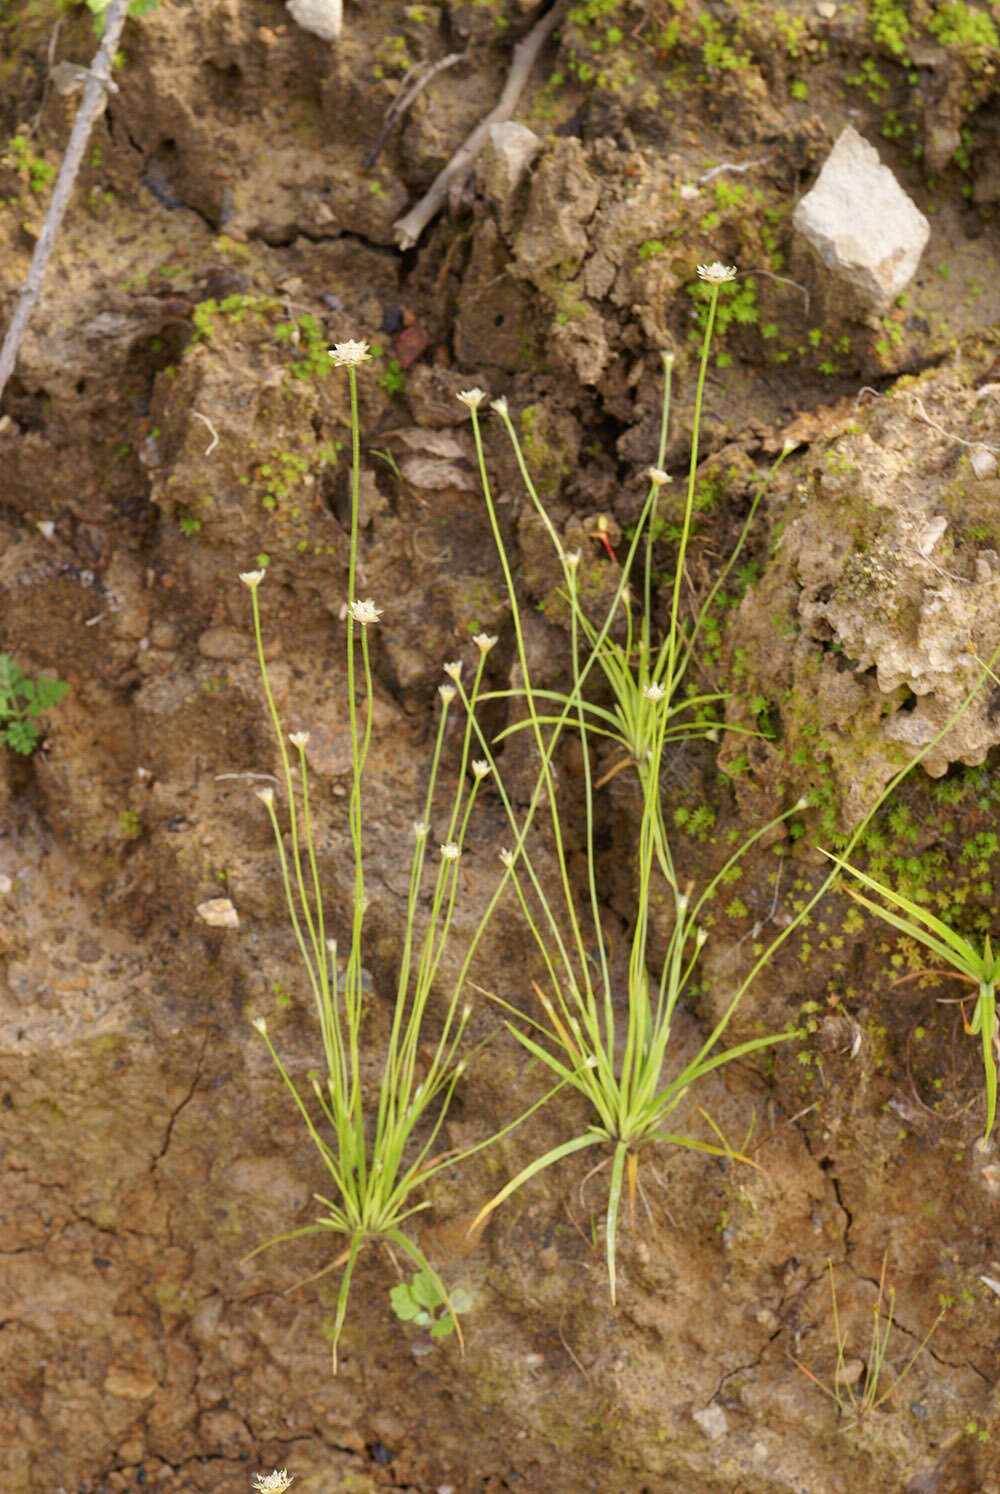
(224,231)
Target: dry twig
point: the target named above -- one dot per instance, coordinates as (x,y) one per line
(95,96)
(409,228)
(420,76)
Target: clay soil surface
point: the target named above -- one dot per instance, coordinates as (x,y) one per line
(172,419)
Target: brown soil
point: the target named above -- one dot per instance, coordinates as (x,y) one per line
(171,419)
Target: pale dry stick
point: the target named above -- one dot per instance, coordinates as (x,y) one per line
(949,435)
(212,431)
(51,63)
(404,99)
(253,777)
(586,1373)
(732,166)
(409,228)
(95,96)
(784,280)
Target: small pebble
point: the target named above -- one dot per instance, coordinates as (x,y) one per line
(712,1422)
(982,462)
(219,913)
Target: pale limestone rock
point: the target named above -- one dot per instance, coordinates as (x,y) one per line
(218,913)
(504,164)
(322,17)
(861,223)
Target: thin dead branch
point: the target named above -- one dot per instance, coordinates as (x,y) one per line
(95,95)
(421,76)
(409,228)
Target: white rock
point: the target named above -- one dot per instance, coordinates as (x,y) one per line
(983,462)
(504,163)
(219,913)
(861,223)
(712,1422)
(321,17)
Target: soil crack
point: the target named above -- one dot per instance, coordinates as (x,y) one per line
(179,1107)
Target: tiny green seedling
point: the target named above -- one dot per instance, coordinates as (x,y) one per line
(873,1389)
(22,701)
(420,1301)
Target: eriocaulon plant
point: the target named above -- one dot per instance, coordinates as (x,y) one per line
(618,1066)
(646,683)
(621,1075)
(377,1149)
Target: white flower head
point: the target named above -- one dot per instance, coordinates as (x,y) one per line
(657,476)
(421,829)
(654,691)
(447,693)
(260,1025)
(299,740)
(252,578)
(480,768)
(500,405)
(453,669)
(450,851)
(572,559)
(472,397)
(365,612)
(716,273)
(790,445)
(349,354)
(507,857)
(266,797)
(484,642)
(272,1483)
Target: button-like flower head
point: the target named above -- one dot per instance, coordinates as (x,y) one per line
(716,273)
(365,612)
(349,354)
(273,1483)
